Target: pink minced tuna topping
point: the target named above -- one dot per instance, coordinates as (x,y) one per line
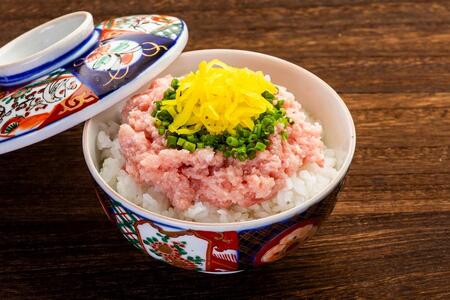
(208,176)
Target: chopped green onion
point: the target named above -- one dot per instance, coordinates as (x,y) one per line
(200,145)
(245,132)
(175,84)
(242,156)
(221,147)
(267,121)
(181,141)
(241,150)
(172,141)
(189,146)
(191,138)
(251,153)
(210,140)
(260,146)
(268,95)
(234,153)
(252,137)
(284,135)
(269,129)
(258,129)
(232,141)
(161,130)
(170,94)
(164,115)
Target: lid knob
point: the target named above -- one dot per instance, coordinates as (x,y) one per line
(46,47)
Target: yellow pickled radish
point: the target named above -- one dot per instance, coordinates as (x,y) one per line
(218,97)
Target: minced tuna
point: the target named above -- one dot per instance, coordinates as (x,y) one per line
(206,175)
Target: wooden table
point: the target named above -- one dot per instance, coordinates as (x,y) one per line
(389,235)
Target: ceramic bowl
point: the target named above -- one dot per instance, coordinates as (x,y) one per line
(232,247)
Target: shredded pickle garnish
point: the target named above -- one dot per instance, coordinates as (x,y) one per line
(218,97)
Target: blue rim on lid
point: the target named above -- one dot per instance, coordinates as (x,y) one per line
(113,61)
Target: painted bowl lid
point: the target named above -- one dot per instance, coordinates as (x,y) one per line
(65,71)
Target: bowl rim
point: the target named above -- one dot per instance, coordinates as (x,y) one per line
(230,226)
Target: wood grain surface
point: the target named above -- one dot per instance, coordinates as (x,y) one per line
(389,235)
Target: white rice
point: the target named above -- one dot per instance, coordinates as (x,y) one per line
(309,181)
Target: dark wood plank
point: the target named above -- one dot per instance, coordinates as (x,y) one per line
(389,235)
